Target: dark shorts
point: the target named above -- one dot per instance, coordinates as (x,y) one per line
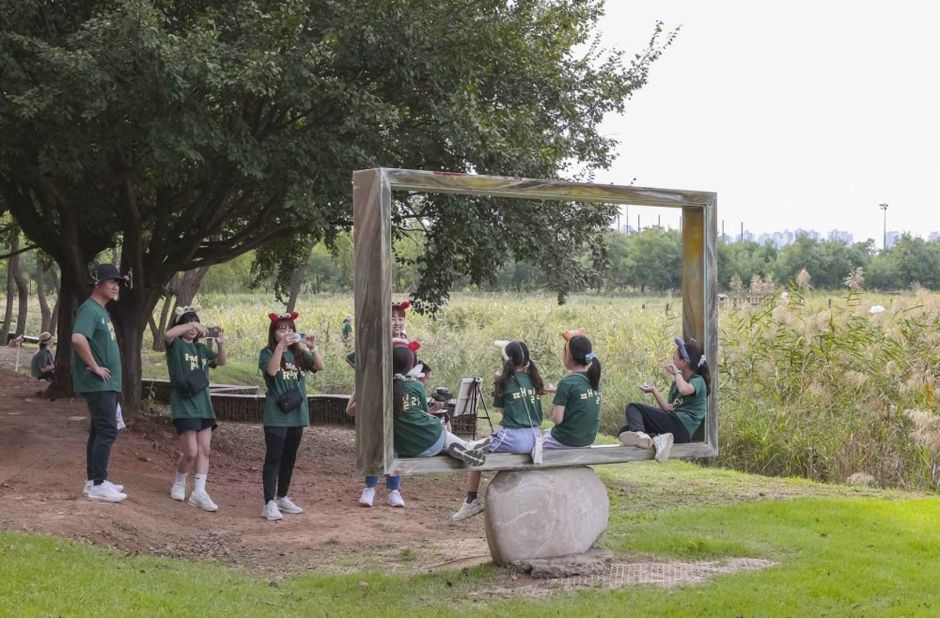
(193,424)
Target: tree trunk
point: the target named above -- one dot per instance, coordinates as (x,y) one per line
(8,311)
(157,329)
(44,309)
(66,305)
(53,323)
(22,294)
(297,277)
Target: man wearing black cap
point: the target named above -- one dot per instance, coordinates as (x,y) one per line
(96,374)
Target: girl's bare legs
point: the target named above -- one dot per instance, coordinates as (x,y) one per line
(188,452)
(203,444)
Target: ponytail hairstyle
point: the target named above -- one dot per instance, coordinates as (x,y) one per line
(287,318)
(403,360)
(185,315)
(516,354)
(693,354)
(582,353)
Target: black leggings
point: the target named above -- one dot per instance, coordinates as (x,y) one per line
(281,444)
(101,434)
(653,421)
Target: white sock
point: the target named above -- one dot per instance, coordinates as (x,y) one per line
(200,482)
(181,478)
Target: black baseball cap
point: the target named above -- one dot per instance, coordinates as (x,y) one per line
(105,272)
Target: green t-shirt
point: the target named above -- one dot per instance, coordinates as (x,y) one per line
(182,358)
(42,358)
(415,430)
(94,322)
(690,408)
(289,376)
(518,396)
(582,411)
(347,330)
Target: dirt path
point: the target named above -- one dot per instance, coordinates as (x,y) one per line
(42,459)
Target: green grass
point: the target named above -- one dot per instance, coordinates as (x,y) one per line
(835,555)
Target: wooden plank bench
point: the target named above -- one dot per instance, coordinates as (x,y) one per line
(551,458)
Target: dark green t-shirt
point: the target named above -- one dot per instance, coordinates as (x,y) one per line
(289,376)
(347,330)
(582,411)
(42,358)
(690,408)
(518,396)
(182,358)
(415,430)
(94,322)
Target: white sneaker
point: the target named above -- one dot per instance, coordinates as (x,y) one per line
(468,510)
(105,493)
(663,444)
(271,512)
(367,497)
(395,499)
(286,505)
(201,499)
(178,491)
(90,484)
(636,438)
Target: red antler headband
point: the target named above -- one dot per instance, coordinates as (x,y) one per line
(403,305)
(293,315)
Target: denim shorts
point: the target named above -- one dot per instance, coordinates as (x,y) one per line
(514,440)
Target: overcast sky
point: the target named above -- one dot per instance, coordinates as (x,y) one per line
(798,114)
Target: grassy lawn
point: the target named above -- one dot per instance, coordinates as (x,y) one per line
(839,551)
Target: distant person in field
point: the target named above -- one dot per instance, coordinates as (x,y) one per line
(188,361)
(392,482)
(576,409)
(285,362)
(417,433)
(347,331)
(96,375)
(678,418)
(516,393)
(42,366)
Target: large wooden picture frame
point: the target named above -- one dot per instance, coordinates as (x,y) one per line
(372,203)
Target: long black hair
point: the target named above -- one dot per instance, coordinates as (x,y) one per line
(296,350)
(518,353)
(186,318)
(697,363)
(403,360)
(579,347)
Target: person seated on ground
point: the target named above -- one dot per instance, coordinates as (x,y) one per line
(516,393)
(577,402)
(416,432)
(43,364)
(677,419)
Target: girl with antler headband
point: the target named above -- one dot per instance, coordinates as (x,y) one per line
(677,419)
(188,361)
(284,362)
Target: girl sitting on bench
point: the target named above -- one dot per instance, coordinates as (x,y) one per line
(577,402)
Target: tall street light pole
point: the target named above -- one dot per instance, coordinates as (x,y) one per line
(884,236)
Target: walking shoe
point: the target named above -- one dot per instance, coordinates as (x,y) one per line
(271,512)
(395,499)
(481,444)
(90,484)
(468,510)
(663,444)
(201,500)
(471,457)
(287,506)
(636,438)
(178,491)
(368,495)
(105,493)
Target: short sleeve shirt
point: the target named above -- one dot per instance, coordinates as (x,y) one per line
(289,376)
(42,358)
(521,406)
(182,358)
(582,411)
(415,430)
(690,409)
(94,322)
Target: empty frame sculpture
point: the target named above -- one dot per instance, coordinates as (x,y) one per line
(372,204)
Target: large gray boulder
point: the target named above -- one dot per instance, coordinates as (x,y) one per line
(544,513)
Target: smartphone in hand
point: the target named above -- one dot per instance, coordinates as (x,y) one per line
(212,332)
